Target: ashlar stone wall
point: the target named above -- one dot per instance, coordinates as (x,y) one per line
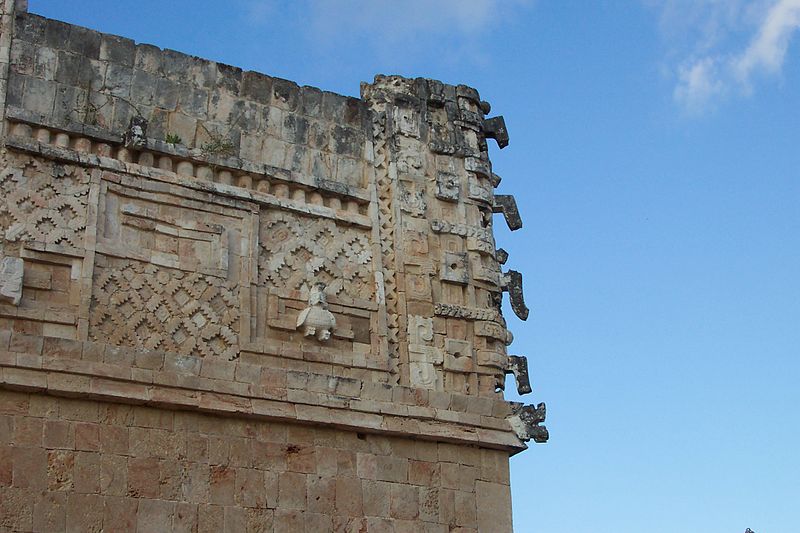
(231,303)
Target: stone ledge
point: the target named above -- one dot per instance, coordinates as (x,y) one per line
(157,147)
(31,359)
(97,387)
(223,190)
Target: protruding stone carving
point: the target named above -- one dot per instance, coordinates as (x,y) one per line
(518,365)
(525,420)
(501,255)
(512,283)
(495,179)
(136,135)
(316,320)
(11,271)
(495,128)
(506,204)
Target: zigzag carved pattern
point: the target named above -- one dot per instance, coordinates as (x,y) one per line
(296,251)
(155,308)
(43,202)
(386,232)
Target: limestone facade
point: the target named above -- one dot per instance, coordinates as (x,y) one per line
(230,303)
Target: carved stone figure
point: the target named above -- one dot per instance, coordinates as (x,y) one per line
(316,320)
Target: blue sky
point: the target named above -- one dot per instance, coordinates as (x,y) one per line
(655,156)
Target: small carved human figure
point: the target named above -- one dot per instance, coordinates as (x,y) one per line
(316,320)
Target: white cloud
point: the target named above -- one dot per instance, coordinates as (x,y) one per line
(722,46)
(767,50)
(698,83)
(395,29)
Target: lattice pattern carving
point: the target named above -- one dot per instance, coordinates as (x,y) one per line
(386,231)
(43,202)
(297,251)
(155,308)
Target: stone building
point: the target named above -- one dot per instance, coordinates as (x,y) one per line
(230,303)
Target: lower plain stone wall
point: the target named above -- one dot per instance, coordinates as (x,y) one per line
(77,465)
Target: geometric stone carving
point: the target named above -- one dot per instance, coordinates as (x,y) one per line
(11,270)
(44,204)
(297,251)
(316,320)
(157,308)
(525,420)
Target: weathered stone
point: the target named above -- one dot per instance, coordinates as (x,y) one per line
(512,283)
(518,366)
(135,136)
(525,420)
(495,128)
(506,204)
(11,274)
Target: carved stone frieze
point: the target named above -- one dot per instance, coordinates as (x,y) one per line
(156,308)
(43,202)
(468,313)
(297,251)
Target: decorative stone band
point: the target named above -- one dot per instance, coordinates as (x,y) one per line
(467,313)
(93,370)
(277,194)
(193,163)
(463,230)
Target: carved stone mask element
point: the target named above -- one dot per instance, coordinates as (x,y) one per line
(316,320)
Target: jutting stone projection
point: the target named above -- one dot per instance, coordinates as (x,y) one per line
(230,303)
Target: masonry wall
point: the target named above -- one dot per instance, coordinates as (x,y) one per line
(75,465)
(279,307)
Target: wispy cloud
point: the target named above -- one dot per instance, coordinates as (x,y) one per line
(397,28)
(723,47)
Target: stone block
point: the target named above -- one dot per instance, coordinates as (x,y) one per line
(119,50)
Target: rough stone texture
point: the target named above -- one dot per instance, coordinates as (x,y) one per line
(153,469)
(280,306)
